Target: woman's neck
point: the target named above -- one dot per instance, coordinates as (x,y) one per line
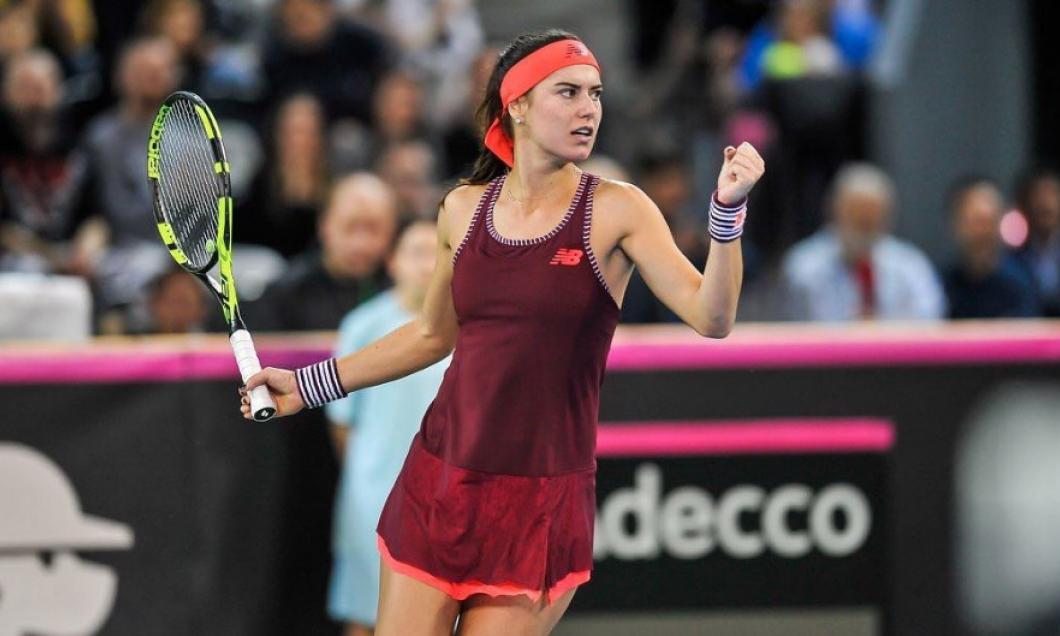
(535,182)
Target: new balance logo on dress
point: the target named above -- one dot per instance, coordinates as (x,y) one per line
(566,256)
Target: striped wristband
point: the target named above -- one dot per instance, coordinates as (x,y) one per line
(726,221)
(319,383)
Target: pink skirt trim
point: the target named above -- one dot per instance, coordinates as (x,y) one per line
(462,590)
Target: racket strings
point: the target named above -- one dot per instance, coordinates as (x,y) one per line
(188,185)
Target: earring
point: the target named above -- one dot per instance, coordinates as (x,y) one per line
(518,120)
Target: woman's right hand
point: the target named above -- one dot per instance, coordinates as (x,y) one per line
(283,387)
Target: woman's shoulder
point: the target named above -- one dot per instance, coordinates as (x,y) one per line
(621,199)
(463,198)
(457,209)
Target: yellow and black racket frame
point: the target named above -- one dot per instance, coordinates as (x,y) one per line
(224,289)
(219,248)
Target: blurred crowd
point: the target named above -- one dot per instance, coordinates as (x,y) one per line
(347,119)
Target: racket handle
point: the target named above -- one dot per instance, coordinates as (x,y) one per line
(261,404)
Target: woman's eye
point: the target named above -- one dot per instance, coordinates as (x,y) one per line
(567,92)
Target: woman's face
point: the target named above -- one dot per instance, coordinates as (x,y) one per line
(562,114)
(182,24)
(412,262)
(1044,205)
(399,106)
(300,128)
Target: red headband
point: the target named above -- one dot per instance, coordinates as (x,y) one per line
(523,76)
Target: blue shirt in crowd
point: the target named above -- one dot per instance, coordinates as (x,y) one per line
(1005,292)
(383,420)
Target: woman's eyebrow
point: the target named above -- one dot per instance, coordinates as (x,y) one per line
(577,86)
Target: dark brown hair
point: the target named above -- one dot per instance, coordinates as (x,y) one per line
(488,165)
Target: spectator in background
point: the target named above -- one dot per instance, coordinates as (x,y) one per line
(665,179)
(688,87)
(853,268)
(115,145)
(398,115)
(181,22)
(398,109)
(461,138)
(313,49)
(814,36)
(42,173)
(410,168)
(1039,198)
(803,47)
(18,29)
(217,43)
(373,428)
(984,282)
(65,28)
(439,38)
(688,63)
(818,115)
(286,195)
(323,285)
(176,303)
(148,71)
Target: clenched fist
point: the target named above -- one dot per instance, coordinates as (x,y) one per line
(742,169)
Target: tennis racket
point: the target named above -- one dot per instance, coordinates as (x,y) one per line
(192,192)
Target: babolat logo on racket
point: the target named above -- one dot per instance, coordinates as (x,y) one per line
(154,140)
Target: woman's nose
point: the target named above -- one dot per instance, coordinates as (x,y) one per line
(586,106)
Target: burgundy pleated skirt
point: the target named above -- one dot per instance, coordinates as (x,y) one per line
(469,532)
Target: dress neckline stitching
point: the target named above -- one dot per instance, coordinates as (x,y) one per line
(540,239)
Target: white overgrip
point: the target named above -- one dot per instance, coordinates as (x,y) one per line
(261,404)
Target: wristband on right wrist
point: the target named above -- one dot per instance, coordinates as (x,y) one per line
(319,383)
(726,221)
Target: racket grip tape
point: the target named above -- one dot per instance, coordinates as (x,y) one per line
(261,405)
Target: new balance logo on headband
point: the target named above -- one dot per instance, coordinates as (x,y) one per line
(567,257)
(577,49)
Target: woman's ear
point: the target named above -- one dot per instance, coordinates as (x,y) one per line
(517,110)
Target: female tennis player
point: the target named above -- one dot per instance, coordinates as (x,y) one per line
(491,518)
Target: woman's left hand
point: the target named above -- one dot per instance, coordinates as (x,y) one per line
(742,169)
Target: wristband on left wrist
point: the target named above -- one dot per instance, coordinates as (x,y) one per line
(726,220)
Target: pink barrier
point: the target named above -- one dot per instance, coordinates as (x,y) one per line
(130,365)
(773,355)
(760,436)
(647,349)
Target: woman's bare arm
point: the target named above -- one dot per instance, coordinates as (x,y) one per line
(706,301)
(415,345)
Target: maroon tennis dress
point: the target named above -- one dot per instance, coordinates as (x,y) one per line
(497,494)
